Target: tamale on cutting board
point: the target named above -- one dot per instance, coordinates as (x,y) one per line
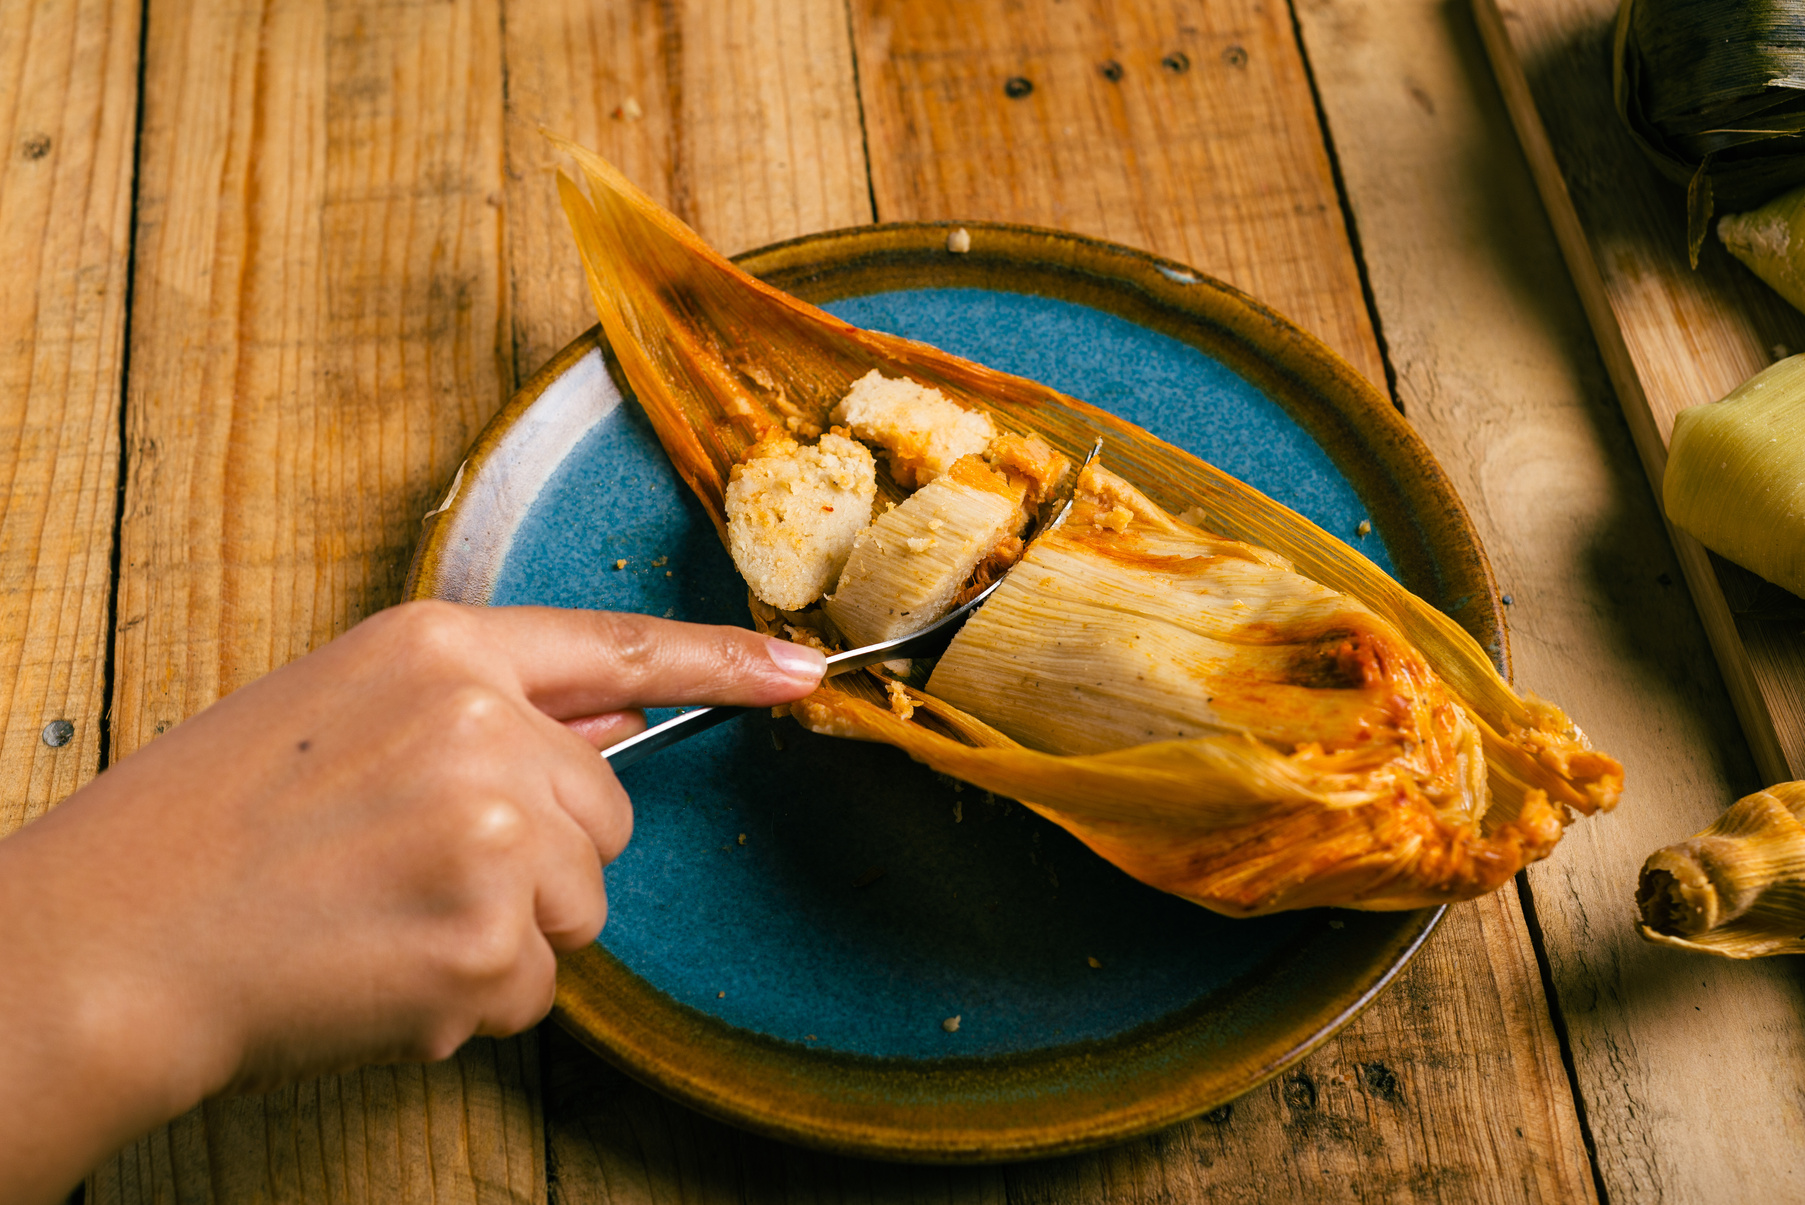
(1671,337)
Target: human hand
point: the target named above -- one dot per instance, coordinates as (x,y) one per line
(369,855)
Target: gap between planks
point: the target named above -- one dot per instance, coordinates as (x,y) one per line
(977,158)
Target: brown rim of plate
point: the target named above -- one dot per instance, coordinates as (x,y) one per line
(1088,1094)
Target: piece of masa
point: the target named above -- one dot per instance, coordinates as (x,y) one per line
(793,513)
(921,430)
(905,570)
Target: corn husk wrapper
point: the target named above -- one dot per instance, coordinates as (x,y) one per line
(1737,889)
(1714,93)
(1735,474)
(718,358)
(1770,242)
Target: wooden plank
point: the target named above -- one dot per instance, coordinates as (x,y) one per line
(740,115)
(1452,1084)
(66,138)
(319,329)
(1688,1067)
(1670,336)
(1231,150)
(1206,148)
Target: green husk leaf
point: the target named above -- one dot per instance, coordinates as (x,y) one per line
(1713,92)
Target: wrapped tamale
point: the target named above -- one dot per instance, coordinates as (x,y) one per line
(1713,91)
(1340,741)
(1735,474)
(1770,242)
(1737,889)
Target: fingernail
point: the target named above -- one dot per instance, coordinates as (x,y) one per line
(797,660)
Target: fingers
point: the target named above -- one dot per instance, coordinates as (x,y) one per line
(585,789)
(610,728)
(571,902)
(588,823)
(525,884)
(525,999)
(582,663)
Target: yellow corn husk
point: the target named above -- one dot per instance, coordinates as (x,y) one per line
(1405,818)
(1770,242)
(1737,889)
(1123,627)
(1736,474)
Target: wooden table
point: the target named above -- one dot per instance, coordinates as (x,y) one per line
(269,268)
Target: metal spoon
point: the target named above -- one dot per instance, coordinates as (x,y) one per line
(930,641)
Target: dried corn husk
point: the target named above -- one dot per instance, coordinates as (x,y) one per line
(1714,93)
(1737,889)
(1124,627)
(1237,824)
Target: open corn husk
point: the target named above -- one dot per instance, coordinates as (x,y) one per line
(1713,91)
(1233,822)
(1737,889)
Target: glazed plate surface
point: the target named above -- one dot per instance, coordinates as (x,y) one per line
(799,920)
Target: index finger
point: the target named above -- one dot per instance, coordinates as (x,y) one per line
(580,663)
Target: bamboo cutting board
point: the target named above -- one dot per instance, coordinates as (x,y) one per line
(1670,337)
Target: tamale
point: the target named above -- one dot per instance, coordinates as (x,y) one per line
(1737,889)
(1125,626)
(1713,91)
(1736,474)
(1770,242)
(1458,784)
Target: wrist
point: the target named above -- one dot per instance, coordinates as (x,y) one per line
(97,1043)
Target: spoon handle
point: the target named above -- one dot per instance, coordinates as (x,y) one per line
(931,641)
(661,736)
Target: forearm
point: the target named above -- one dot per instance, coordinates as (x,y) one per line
(87,1060)
(369,855)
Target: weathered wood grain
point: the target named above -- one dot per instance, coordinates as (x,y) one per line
(319,328)
(67,116)
(1451,1086)
(1233,148)
(1671,337)
(742,117)
(1204,146)
(1689,1067)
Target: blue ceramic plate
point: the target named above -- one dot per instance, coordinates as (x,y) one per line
(824,940)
